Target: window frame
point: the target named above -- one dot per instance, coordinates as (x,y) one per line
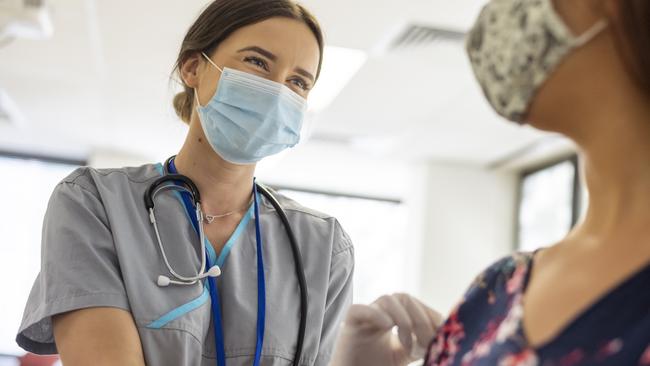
(408,277)
(52,159)
(336,194)
(576,192)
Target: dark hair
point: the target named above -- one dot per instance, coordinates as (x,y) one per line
(635,28)
(223,17)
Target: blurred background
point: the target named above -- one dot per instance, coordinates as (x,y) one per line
(430,184)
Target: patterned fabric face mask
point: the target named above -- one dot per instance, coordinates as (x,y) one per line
(515,46)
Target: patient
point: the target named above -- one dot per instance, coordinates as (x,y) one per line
(580,68)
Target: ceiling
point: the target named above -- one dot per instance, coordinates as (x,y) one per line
(103,81)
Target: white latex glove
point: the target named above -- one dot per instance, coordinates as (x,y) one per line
(367,337)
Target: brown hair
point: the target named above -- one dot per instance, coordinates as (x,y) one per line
(635,29)
(219,20)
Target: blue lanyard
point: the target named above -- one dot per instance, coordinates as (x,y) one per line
(212,282)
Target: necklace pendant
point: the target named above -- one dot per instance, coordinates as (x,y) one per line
(209,219)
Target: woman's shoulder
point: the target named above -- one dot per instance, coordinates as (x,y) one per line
(504,278)
(92,180)
(475,320)
(85,175)
(291,205)
(316,222)
(506,273)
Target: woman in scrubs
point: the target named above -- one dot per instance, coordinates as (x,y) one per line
(96,300)
(580,68)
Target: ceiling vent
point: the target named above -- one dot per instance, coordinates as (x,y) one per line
(27,19)
(423,36)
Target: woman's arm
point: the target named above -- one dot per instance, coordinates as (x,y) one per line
(98,336)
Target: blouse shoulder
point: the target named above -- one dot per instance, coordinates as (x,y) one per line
(486,300)
(507,274)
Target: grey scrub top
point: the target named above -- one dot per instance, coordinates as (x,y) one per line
(99,249)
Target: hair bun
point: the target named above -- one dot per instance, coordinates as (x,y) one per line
(183,105)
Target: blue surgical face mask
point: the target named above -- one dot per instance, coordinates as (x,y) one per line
(250,117)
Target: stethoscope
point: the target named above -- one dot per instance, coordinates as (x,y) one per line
(191,197)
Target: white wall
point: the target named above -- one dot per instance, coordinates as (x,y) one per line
(469,224)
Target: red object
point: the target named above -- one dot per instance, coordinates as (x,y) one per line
(31,359)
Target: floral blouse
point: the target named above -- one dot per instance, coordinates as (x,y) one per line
(486,328)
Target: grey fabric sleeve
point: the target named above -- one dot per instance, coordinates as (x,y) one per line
(79,265)
(339,295)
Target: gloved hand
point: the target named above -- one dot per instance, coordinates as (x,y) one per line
(367,337)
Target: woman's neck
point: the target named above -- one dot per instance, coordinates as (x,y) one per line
(616,152)
(224,187)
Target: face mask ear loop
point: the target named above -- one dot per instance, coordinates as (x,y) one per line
(196,94)
(590,34)
(212,62)
(196,98)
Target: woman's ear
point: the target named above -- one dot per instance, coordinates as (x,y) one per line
(189,70)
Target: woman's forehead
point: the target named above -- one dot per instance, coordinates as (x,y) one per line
(289,40)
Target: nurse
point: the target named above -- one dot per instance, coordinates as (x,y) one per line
(247,68)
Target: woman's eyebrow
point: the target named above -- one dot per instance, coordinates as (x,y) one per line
(261,51)
(272,57)
(305,73)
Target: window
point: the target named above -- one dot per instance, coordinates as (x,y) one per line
(376,227)
(26,185)
(549,204)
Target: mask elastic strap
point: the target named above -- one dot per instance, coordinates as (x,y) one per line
(211,62)
(591,33)
(196,94)
(196,97)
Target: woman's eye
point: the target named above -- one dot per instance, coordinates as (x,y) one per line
(300,83)
(257,62)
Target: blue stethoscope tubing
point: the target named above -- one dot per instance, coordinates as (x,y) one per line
(191,197)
